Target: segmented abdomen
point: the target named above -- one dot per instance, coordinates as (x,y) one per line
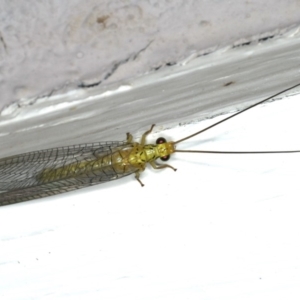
(54,171)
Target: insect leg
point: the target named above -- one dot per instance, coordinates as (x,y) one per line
(137,177)
(143,140)
(129,138)
(158,166)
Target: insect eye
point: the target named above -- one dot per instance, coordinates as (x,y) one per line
(162,140)
(165,158)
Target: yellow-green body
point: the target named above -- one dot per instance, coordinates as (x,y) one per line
(127,159)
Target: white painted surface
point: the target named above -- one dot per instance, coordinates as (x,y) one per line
(58,45)
(221,227)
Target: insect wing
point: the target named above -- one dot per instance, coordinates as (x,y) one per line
(19,174)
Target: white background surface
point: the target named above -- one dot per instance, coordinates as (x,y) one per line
(221,227)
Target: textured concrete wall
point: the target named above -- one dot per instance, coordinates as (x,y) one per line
(63,44)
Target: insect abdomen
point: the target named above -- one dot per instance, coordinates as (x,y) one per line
(106,168)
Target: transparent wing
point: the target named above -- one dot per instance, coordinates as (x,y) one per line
(19,174)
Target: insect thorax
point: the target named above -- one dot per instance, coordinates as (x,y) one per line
(141,155)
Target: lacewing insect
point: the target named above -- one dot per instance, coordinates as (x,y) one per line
(53,171)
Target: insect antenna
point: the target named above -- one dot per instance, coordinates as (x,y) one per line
(230,117)
(238,152)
